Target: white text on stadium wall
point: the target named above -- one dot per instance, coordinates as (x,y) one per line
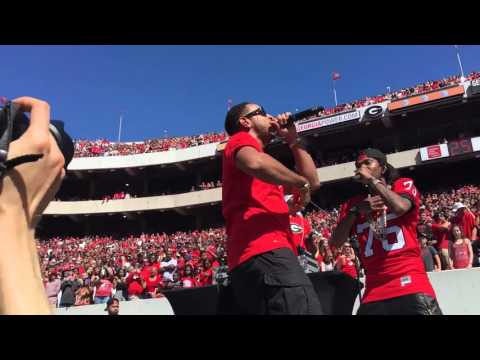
(328,121)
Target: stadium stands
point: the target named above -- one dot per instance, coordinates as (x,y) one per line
(84,259)
(92,263)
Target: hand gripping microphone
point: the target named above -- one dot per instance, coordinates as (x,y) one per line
(293,118)
(314,111)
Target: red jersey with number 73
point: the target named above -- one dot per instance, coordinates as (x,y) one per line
(393,266)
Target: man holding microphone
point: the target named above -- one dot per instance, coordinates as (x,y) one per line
(266,277)
(384,219)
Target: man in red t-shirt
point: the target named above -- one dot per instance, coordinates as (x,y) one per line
(384,222)
(265,275)
(441,231)
(466,220)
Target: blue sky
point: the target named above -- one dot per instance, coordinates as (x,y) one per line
(184,89)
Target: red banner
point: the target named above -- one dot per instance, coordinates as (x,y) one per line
(434,151)
(424,98)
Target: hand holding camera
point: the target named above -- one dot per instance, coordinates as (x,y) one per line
(30,186)
(33,155)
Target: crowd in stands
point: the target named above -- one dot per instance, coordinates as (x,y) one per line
(425,87)
(87,148)
(120,195)
(117,196)
(90,269)
(335,157)
(206,185)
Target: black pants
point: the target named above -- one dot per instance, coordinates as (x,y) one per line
(273,283)
(413,304)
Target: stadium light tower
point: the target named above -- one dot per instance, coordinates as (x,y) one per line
(460,62)
(120,127)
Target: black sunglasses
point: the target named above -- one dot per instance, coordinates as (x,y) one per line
(259,111)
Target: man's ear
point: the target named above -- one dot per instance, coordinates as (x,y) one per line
(245,122)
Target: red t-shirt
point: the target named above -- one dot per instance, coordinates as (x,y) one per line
(211,251)
(195,254)
(104,289)
(347,266)
(255,212)
(394,266)
(135,288)
(460,255)
(300,228)
(466,223)
(206,277)
(180,263)
(147,269)
(152,284)
(441,235)
(189,282)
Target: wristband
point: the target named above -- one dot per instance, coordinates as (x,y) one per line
(305,187)
(375,181)
(298,141)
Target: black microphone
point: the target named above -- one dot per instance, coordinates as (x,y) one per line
(302,115)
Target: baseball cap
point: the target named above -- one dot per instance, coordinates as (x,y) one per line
(457,206)
(377,155)
(374,154)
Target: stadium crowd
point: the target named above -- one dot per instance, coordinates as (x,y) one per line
(87,148)
(128,193)
(103,147)
(79,271)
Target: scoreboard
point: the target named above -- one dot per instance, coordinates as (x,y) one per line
(450,149)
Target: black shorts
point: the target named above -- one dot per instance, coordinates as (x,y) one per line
(413,304)
(273,283)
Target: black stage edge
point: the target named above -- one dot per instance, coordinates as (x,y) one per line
(337,292)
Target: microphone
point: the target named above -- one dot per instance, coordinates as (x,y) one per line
(302,115)
(356,177)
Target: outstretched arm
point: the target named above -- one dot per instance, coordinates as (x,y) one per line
(24,194)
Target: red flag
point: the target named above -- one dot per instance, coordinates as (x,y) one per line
(336,76)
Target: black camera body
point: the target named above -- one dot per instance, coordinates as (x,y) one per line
(14,123)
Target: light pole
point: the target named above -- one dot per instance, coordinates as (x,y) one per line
(120,127)
(460,62)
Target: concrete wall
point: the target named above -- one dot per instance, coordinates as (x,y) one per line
(148,159)
(343,171)
(458,291)
(136,204)
(140,307)
(326,174)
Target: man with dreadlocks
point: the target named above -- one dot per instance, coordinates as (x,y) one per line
(384,219)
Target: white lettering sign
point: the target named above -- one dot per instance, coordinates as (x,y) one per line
(319,123)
